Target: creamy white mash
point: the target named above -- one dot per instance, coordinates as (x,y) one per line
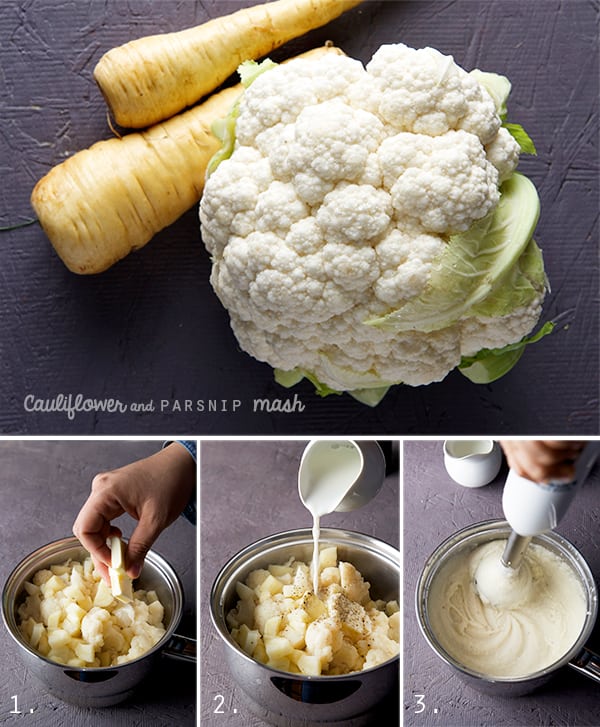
(539,615)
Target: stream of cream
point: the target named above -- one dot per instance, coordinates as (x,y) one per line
(334,469)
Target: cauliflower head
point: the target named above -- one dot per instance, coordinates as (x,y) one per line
(369,227)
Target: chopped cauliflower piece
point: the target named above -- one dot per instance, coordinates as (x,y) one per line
(338,631)
(70,616)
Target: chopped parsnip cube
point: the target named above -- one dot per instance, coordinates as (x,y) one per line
(104,596)
(247,639)
(37,632)
(85,652)
(294,636)
(70,616)
(328,557)
(256,577)
(260,653)
(120,582)
(277,647)
(283,664)
(244,591)
(309,665)
(272,624)
(280,570)
(280,622)
(52,585)
(270,586)
(314,607)
(53,620)
(58,638)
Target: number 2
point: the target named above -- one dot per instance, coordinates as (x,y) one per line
(221,701)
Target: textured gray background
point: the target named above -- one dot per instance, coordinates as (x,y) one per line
(151,327)
(248,491)
(434,508)
(43,485)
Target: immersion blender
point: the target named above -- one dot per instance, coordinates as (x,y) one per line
(532,508)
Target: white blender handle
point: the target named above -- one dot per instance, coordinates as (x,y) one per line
(533,507)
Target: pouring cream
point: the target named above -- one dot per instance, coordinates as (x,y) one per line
(328,471)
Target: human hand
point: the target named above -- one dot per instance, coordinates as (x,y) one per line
(542,460)
(153,490)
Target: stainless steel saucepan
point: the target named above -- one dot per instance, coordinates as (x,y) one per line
(578,656)
(296,700)
(97,686)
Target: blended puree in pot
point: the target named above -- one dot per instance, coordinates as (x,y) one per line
(540,611)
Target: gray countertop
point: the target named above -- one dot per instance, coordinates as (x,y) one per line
(150,329)
(434,508)
(248,491)
(44,484)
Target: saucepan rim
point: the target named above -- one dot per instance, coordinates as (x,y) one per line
(495,527)
(13,587)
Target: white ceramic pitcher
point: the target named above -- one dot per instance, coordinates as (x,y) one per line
(472,462)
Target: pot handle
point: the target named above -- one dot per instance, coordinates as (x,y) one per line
(315,692)
(90,677)
(181,647)
(587,662)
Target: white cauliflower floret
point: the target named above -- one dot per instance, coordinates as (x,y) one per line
(278,207)
(346,659)
(425,92)
(353,213)
(405,258)
(231,206)
(444,183)
(353,585)
(92,625)
(329,142)
(283,97)
(345,188)
(484,332)
(503,152)
(323,638)
(263,612)
(362,355)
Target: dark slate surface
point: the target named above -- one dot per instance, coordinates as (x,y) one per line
(43,485)
(435,508)
(151,329)
(248,491)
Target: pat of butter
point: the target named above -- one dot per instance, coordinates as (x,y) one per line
(120,582)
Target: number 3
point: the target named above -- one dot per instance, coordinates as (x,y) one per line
(420,703)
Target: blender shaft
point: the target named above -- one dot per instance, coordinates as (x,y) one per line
(515,549)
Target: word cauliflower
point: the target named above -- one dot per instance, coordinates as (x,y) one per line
(368,227)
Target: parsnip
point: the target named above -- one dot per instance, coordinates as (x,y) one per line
(153,78)
(103,202)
